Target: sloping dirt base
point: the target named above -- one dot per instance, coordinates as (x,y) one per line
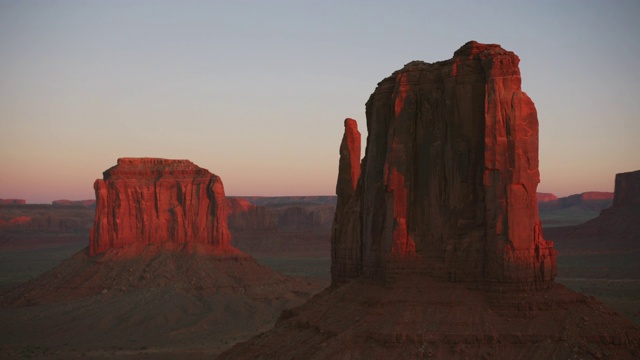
(418,317)
(157,304)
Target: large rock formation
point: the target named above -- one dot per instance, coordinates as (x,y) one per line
(444,212)
(144,201)
(448,183)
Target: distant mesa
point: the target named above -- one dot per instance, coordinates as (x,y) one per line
(282,226)
(13,202)
(619,223)
(437,251)
(151,201)
(545,197)
(591,200)
(243,215)
(90,203)
(286,213)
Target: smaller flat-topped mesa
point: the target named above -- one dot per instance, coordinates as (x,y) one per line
(144,201)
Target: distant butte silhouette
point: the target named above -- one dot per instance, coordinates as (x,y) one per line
(437,251)
(619,223)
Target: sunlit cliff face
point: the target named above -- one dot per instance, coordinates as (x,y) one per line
(144,201)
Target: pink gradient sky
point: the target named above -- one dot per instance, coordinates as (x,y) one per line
(257,92)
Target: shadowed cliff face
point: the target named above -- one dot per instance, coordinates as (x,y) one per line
(449,178)
(143,201)
(627,189)
(618,224)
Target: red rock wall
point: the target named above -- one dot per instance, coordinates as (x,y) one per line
(143,201)
(448,183)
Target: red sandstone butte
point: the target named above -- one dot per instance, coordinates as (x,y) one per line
(449,179)
(145,201)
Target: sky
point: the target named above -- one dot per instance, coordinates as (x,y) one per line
(257,91)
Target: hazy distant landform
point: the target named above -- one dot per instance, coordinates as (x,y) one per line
(436,246)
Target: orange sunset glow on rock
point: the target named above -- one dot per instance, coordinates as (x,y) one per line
(147,201)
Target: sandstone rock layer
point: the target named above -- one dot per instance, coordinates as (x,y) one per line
(449,178)
(144,201)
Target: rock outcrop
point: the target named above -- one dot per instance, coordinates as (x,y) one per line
(627,189)
(144,201)
(618,223)
(448,183)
